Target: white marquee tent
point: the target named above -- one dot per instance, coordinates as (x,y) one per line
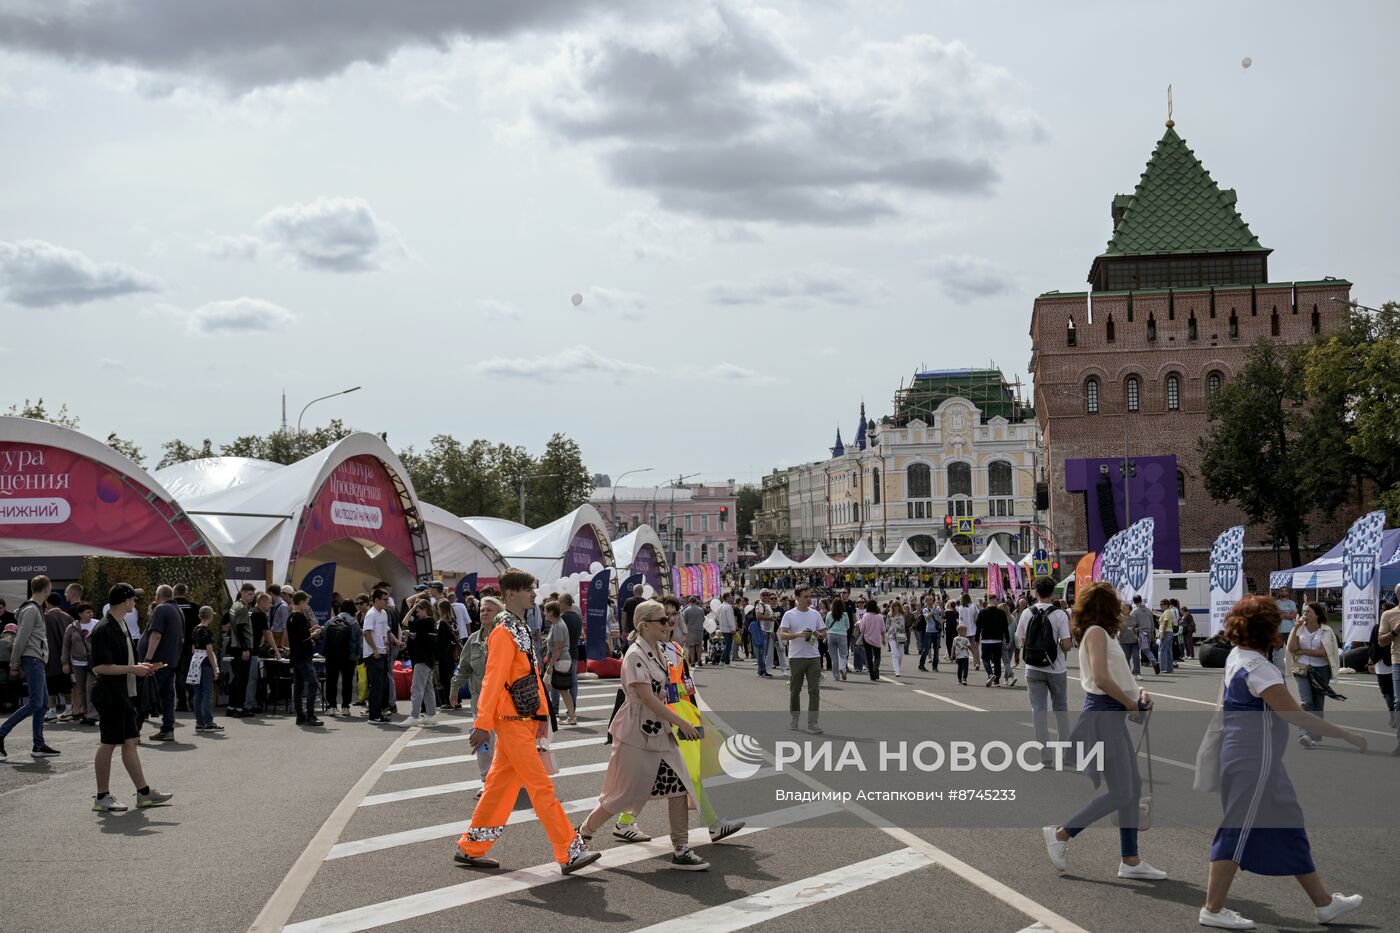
(949,558)
(457,548)
(904,556)
(818,560)
(551,552)
(776,561)
(625,551)
(861,556)
(992,555)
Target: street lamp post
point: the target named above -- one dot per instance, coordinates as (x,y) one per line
(671,516)
(616,483)
(321,399)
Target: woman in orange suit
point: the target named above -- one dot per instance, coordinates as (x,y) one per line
(510,659)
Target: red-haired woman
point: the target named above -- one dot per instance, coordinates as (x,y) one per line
(1254,788)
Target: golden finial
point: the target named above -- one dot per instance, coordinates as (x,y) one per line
(1170,122)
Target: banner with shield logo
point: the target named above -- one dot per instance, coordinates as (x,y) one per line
(1226,576)
(1361,558)
(1135,564)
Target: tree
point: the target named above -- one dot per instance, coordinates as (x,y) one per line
(36,411)
(177,451)
(561,484)
(124,446)
(750,500)
(286,447)
(459,478)
(1253,453)
(1357,371)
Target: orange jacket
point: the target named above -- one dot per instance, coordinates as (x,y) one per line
(505,664)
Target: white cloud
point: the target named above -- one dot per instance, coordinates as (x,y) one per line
(231,246)
(968,278)
(238,316)
(727,372)
(810,285)
(496,310)
(330,234)
(716,116)
(567,365)
(258,43)
(37,274)
(629,306)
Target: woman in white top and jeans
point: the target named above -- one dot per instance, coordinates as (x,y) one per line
(1312,650)
(1109,693)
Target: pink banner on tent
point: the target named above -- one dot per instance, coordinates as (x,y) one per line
(52,494)
(358,500)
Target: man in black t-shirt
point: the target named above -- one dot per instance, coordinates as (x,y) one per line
(183,691)
(302,632)
(162,641)
(113,661)
(629,607)
(422,651)
(993,628)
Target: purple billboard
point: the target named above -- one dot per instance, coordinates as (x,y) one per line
(645,563)
(583,551)
(1150,492)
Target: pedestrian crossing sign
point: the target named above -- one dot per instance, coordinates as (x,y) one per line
(1040,568)
(964,526)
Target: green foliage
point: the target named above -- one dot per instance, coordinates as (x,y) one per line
(562,482)
(203,575)
(750,500)
(288,446)
(177,451)
(479,479)
(123,446)
(36,411)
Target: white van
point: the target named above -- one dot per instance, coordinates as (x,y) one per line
(1192,589)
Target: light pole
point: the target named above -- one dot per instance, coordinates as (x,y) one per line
(671,517)
(523,479)
(616,483)
(321,399)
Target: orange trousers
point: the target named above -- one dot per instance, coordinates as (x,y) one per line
(516,763)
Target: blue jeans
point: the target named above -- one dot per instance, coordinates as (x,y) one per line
(1134,655)
(165,690)
(304,683)
(1048,691)
(759,646)
(36,705)
(1312,700)
(728,646)
(1164,653)
(204,697)
(837,646)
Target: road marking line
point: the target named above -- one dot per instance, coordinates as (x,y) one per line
(435,790)
(459,759)
(1210,703)
(975,709)
(457,827)
(288,895)
(1165,761)
(788,898)
(1007,895)
(480,889)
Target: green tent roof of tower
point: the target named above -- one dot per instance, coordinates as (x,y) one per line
(1178,208)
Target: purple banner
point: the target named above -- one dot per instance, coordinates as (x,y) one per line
(645,563)
(583,551)
(1151,494)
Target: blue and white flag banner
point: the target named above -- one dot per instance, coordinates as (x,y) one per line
(319,584)
(1361,576)
(1226,576)
(1111,559)
(1135,563)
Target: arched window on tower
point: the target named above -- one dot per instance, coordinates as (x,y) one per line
(1071,337)
(1134,393)
(875,485)
(1151,326)
(1234,325)
(1316,322)
(1173,392)
(1191,327)
(1213,383)
(1091,395)
(1000,492)
(1273,323)
(1108,329)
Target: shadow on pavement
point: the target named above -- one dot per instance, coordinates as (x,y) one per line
(132,823)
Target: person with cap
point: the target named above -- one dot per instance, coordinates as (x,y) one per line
(114,663)
(30,655)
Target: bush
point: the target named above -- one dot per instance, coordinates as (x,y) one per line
(203,575)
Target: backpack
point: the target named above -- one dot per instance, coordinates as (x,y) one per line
(337,638)
(1041,649)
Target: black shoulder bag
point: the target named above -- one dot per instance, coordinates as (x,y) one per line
(525,692)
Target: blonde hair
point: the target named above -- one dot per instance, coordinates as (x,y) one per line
(500,606)
(206,613)
(649,611)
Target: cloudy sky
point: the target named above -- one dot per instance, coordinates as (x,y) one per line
(771,210)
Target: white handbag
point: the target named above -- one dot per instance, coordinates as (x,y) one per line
(197,659)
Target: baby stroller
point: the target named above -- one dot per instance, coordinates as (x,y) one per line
(714,650)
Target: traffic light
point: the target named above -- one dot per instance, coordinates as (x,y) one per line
(723,515)
(1055,565)
(948,523)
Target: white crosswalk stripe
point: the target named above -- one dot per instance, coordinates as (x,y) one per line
(459,759)
(470,892)
(414,793)
(788,898)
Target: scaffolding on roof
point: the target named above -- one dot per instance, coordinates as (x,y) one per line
(987,389)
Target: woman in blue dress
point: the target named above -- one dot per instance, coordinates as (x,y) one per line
(1262,830)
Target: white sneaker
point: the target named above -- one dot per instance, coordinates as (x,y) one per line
(1141,871)
(429,720)
(1226,919)
(51,716)
(629,833)
(1058,851)
(410,722)
(345,712)
(107,804)
(719,829)
(1341,904)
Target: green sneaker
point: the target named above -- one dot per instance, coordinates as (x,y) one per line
(688,861)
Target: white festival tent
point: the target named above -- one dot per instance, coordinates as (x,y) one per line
(776,561)
(818,560)
(625,550)
(565,546)
(861,556)
(992,555)
(353,503)
(949,559)
(457,548)
(904,556)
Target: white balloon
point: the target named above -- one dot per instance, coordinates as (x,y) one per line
(577,299)
(595,568)
(714,605)
(1247,62)
(647,591)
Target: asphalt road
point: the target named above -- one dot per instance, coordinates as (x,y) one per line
(353,828)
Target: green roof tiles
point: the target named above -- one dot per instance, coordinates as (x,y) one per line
(1178,208)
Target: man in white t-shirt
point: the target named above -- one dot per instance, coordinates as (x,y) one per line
(375,631)
(801,629)
(727,624)
(763,612)
(461,615)
(1043,679)
(967,616)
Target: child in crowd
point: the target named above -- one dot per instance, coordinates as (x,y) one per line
(962,651)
